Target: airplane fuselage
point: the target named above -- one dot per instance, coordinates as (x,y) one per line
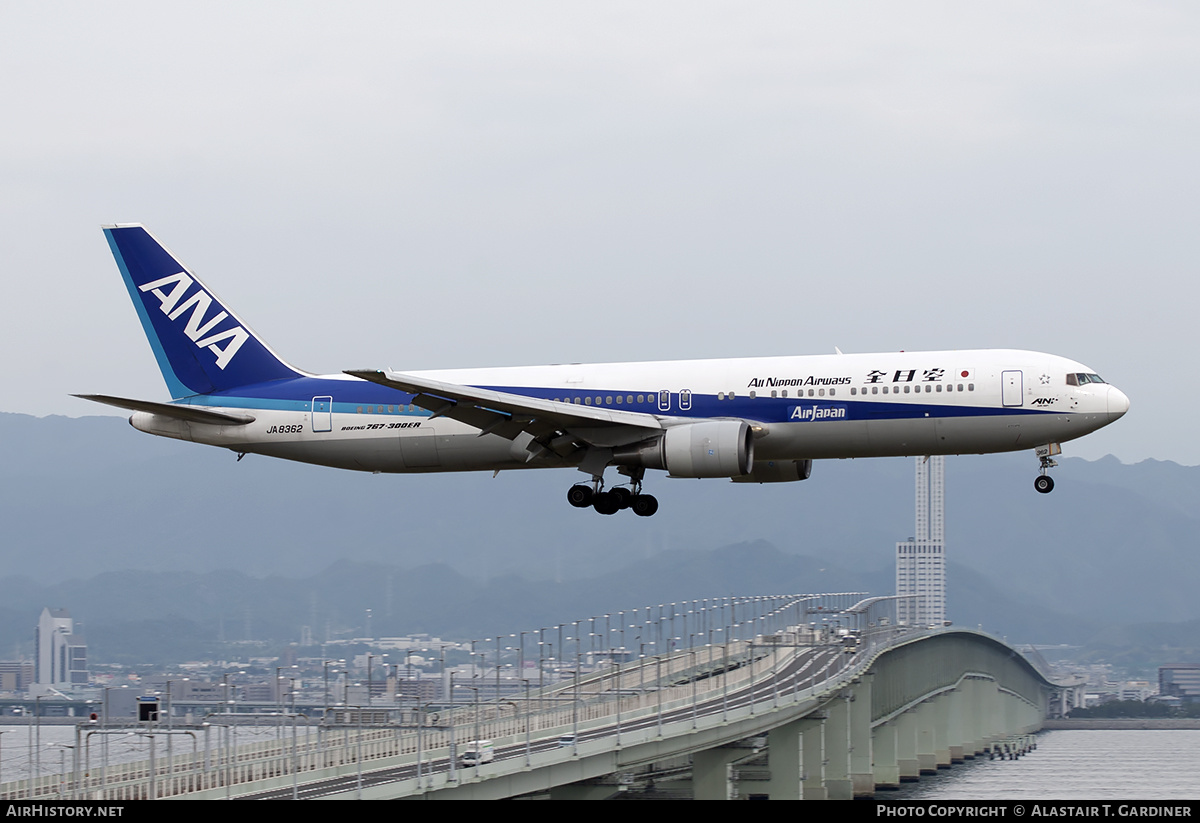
(809,407)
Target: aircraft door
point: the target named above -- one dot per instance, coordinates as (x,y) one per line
(322,414)
(1011,388)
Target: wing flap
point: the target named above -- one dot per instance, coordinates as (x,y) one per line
(510,415)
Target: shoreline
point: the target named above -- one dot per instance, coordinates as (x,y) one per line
(1121,723)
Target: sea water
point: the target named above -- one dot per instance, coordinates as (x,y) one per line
(1075,765)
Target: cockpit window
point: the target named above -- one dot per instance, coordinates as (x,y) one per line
(1081,379)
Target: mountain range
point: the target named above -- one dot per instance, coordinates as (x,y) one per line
(128,530)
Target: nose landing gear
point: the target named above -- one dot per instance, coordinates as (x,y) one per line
(1044,483)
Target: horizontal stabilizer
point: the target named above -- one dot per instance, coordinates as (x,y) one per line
(188,413)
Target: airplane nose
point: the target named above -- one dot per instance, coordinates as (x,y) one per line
(1118,403)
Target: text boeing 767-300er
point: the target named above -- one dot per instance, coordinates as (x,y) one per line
(756,420)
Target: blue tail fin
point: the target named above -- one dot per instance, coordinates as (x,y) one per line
(201,346)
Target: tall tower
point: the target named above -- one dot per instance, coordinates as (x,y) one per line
(61,653)
(921,561)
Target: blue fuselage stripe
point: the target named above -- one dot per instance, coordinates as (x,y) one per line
(350,397)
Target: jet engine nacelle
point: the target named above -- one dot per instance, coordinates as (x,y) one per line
(711,448)
(777,471)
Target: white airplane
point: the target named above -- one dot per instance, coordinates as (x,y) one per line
(752,420)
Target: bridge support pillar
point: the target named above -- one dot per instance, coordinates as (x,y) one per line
(993,713)
(955,727)
(883,752)
(1012,714)
(941,731)
(783,745)
(797,758)
(861,777)
(906,746)
(711,778)
(974,738)
(927,719)
(812,742)
(837,749)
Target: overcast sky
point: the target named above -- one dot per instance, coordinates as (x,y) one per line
(438,185)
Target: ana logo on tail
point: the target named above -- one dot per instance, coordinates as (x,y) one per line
(174,306)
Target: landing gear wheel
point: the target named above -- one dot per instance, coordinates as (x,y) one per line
(605,503)
(644,505)
(623,496)
(579,496)
(1044,484)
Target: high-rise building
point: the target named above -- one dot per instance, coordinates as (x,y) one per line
(1180,680)
(61,654)
(921,560)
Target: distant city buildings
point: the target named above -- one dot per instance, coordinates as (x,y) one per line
(1181,681)
(921,560)
(15,675)
(61,664)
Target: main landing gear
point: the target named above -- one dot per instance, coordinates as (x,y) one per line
(613,500)
(1044,483)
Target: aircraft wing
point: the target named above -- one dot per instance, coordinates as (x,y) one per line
(188,413)
(557,427)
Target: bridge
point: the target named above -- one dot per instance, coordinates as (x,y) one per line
(782,697)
